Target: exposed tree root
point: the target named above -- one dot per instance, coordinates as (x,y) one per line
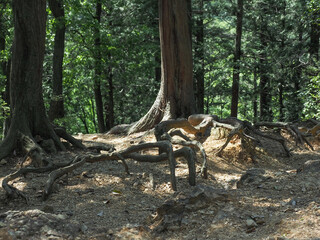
(290,128)
(12,191)
(63,134)
(131,152)
(165,133)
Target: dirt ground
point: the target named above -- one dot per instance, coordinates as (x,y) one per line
(109,204)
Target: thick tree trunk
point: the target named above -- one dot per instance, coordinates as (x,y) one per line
(157,69)
(98,70)
(199,57)
(236,67)
(176,97)
(56,105)
(28,111)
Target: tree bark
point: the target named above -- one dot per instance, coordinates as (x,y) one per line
(255,100)
(109,107)
(4,68)
(176,97)
(265,90)
(56,105)
(236,67)
(98,70)
(28,111)
(315,33)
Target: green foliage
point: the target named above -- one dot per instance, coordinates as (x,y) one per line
(311,98)
(275,40)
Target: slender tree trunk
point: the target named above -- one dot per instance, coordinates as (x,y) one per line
(109,107)
(56,105)
(2,40)
(176,97)
(315,33)
(98,70)
(5,69)
(236,67)
(265,90)
(28,111)
(199,57)
(281,81)
(281,105)
(255,100)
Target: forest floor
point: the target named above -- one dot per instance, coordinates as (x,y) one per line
(107,203)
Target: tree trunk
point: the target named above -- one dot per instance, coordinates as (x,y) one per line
(315,33)
(255,100)
(265,90)
(176,97)
(157,70)
(109,107)
(199,57)
(5,70)
(281,105)
(56,105)
(236,67)
(98,70)
(28,111)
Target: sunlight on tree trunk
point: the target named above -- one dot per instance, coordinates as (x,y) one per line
(176,97)
(28,111)
(56,105)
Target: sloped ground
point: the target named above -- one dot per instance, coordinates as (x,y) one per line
(100,201)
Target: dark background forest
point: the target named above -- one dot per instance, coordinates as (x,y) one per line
(259,58)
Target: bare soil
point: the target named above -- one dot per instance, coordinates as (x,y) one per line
(110,204)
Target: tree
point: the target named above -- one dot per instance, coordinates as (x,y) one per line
(176,97)
(265,94)
(236,67)
(199,57)
(56,105)
(98,69)
(314,29)
(28,111)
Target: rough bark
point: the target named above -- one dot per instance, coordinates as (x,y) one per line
(98,69)
(255,100)
(176,97)
(315,33)
(5,68)
(236,60)
(28,111)
(56,105)
(265,91)
(109,106)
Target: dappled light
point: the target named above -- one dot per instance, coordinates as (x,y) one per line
(159,120)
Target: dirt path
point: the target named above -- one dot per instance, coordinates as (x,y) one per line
(106,203)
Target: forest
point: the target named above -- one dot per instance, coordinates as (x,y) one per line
(159,115)
(110,53)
